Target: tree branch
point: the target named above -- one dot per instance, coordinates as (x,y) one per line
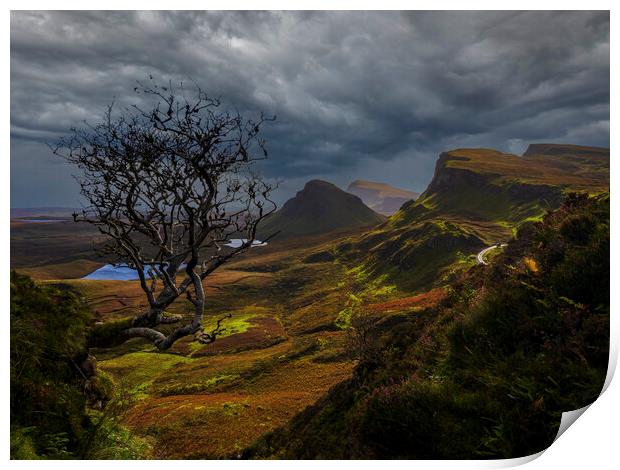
(168,185)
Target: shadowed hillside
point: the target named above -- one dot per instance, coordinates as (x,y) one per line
(319,208)
(57,394)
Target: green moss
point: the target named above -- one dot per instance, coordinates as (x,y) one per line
(384,291)
(204,386)
(359,273)
(240,321)
(22,444)
(195,346)
(343,319)
(233,409)
(135,372)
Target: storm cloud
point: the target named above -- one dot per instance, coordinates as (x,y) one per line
(373,95)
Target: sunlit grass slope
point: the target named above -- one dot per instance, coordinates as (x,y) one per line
(477,197)
(486,373)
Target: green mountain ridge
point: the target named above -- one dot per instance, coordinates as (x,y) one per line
(565,149)
(477,197)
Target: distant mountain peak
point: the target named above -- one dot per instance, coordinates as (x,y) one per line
(381,197)
(320,207)
(319,185)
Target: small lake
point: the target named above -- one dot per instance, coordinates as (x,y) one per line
(110,272)
(122,272)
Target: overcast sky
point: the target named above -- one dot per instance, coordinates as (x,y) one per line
(371,95)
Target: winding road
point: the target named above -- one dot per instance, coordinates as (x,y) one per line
(480,256)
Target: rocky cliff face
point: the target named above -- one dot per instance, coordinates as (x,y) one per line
(477,197)
(503,187)
(448,178)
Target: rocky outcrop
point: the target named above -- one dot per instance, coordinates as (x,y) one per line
(447,179)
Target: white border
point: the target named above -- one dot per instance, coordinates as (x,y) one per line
(589,443)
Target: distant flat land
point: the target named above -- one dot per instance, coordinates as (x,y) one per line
(54,250)
(21,212)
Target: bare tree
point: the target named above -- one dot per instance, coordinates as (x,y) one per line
(169,186)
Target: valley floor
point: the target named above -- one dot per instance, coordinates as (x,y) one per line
(281,350)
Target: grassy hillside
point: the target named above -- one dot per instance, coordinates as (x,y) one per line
(56,394)
(477,197)
(281,351)
(320,207)
(487,372)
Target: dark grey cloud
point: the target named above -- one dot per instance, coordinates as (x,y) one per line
(373,95)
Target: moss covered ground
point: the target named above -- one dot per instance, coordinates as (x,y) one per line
(279,352)
(284,347)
